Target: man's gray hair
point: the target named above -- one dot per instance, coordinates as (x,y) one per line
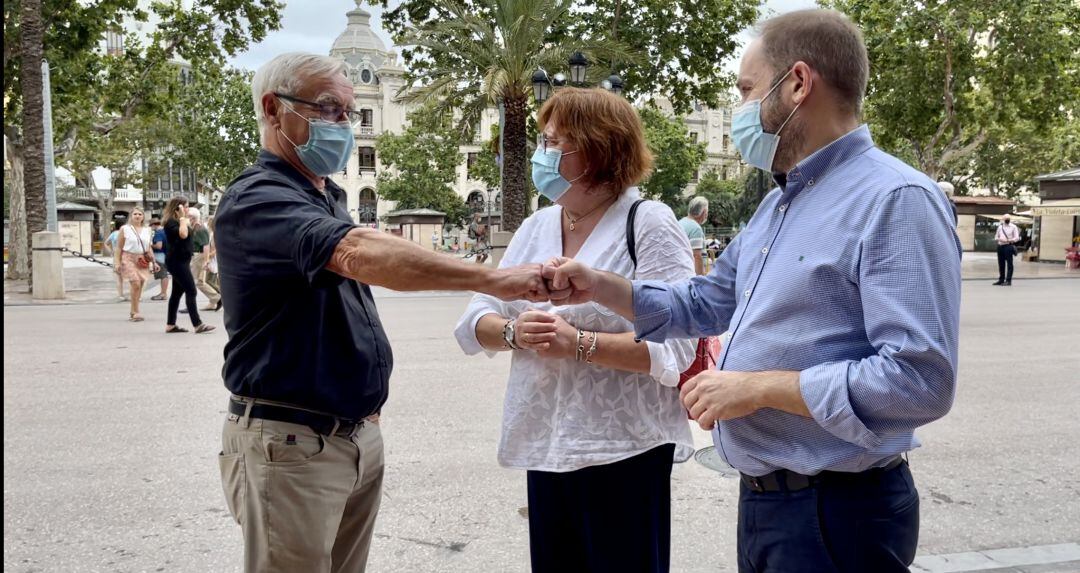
(946,188)
(193,213)
(698,206)
(286,74)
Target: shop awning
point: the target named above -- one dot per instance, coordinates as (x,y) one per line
(1064,207)
(1018,219)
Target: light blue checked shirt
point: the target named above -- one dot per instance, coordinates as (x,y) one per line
(849,273)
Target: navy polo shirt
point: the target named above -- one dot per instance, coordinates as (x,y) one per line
(298,333)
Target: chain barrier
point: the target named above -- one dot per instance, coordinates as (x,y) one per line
(90,258)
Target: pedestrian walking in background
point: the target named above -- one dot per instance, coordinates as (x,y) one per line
(180,238)
(1007,236)
(200,260)
(135,258)
(697,213)
(111,243)
(591,415)
(435,240)
(158,245)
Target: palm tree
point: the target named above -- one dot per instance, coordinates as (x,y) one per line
(485,54)
(32,46)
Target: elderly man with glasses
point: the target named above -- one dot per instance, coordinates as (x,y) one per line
(307,362)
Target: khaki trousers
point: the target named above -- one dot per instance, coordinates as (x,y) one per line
(198,270)
(305,502)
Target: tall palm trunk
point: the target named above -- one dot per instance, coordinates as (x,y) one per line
(31,46)
(17,246)
(515,191)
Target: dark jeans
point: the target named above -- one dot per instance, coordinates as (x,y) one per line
(850,526)
(1005,259)
(614,517)
(183,286)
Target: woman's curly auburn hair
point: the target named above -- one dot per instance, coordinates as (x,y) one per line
(605,129)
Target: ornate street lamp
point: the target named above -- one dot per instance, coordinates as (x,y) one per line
(543,85)
(578,64)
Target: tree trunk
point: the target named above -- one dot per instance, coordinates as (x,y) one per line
(17,246)
(515,192)
(31,44)
(105,202)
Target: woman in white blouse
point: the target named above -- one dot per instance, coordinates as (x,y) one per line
(134,244)
(592,415)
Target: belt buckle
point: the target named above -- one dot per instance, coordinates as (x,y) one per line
(755,484)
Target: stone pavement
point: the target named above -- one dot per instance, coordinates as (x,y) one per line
(111,429)
(90,283)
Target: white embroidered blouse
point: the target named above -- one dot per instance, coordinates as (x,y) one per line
(562,415)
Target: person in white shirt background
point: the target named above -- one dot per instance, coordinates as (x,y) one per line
(1007,236)
(591,414)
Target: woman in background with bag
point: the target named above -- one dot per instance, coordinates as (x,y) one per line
(593,416)
(135,258)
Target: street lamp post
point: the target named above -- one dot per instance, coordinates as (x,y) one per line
(543,85)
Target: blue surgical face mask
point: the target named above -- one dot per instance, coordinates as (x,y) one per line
(757,147)
(328,147)
(545,173)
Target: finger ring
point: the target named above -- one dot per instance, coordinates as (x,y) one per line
(525,337)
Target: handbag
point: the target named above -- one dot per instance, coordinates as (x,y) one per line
(142,262)
(708,348)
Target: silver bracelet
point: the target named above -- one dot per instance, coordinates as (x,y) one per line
(592,349)
(580,346)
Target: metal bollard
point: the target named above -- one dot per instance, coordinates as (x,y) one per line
(48,266)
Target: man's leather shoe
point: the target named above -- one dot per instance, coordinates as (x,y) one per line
(999,283)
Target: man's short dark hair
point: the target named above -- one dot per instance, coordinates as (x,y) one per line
(825,40)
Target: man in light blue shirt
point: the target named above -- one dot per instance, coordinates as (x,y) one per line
(841,300)
(697,212)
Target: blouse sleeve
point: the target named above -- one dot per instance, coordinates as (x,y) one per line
(663,253)
(482,304)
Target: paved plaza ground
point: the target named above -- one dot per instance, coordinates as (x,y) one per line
(111,430)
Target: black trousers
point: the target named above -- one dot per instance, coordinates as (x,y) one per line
(850,526)
(1005,260)
(615,517)
(183,286)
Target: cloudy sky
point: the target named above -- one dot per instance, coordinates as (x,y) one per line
(312,26)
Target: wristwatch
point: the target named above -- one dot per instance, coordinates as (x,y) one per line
(508,335)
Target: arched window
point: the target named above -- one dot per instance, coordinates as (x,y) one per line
(476,202)
(367,211)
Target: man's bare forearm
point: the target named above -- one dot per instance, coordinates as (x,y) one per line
(380,259)
(615,293)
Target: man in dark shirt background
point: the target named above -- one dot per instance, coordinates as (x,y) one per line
(307,361)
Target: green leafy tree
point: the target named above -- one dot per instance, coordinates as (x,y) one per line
(469,55)
(676,157)
(1009,161)
(947,79)
(98,91)
(683,43)
(726,205)
(215,133)
(486,167)
(420,165)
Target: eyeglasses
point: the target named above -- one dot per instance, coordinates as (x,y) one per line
(330,112)
(545,142)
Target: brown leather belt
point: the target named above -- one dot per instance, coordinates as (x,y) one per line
(784,480)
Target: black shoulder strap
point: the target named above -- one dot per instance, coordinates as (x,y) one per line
(630,246)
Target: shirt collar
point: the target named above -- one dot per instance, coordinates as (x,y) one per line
(808,171)
(269,160)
